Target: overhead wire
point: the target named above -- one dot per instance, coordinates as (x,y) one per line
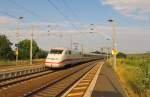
(71,9)
(76,16)
(36,15)
(7,14)
(61,13)
(25,9)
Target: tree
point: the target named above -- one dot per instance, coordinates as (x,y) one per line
(96,52)
(41,54)
(121,55)
(24,49)
(6,51)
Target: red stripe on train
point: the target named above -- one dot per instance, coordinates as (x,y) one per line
(63,61)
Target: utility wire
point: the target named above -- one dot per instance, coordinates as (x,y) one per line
(71,9)
(6,13)
(61,13)
(26,9)
(72,12)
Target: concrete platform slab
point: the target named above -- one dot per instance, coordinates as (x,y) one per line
(107,84)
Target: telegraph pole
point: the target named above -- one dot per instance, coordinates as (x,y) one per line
(31,42)
(71,40)
(114,42)
(107,53)
(17,38)
(82,49)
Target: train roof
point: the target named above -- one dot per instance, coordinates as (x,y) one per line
(65,49)
(61,48)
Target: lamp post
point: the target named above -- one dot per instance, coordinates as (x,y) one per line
(17,38)
(113,42)
(31,44)
(71,40)
(108,50)
(82,49)
(108,39)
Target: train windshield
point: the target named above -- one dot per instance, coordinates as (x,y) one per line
(56,51)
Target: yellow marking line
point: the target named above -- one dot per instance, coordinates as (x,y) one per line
(83,84)
(90,88)
(79,88)
(91,74)
(75,94)
(38,96)
(43,94)
(89,77)
(80,84)
(86,80)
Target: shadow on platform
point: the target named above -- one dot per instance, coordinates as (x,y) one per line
(106,94)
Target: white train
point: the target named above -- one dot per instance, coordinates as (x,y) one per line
(62,57)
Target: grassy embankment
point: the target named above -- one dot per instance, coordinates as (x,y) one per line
(20,62)
(133,72)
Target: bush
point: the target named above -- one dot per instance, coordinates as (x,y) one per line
(121,55)
(24,50)
(41,54)
(6,51)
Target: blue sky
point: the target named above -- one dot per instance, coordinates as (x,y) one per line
(89,11)
(132,17)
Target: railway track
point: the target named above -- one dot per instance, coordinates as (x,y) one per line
(22,63)
(57,88)
(11,73)
(11,81)
(85,86)
(56,83)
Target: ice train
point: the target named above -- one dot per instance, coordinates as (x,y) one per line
(63,57)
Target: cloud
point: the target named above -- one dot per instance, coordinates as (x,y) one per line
(6,20)
(129,39)
(137,9)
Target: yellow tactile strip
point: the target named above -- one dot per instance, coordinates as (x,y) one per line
(81,87)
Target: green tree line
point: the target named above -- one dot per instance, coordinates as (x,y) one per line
(7,53)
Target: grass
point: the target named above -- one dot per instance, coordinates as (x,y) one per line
(7,63)
(126,74)
(4,63)
(131,71)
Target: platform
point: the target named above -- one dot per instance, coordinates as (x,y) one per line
(107,84)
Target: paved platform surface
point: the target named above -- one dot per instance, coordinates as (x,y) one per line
(107,84)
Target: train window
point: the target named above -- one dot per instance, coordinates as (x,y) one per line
(56,51)
(80,53)
(66,52)
(69,52)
